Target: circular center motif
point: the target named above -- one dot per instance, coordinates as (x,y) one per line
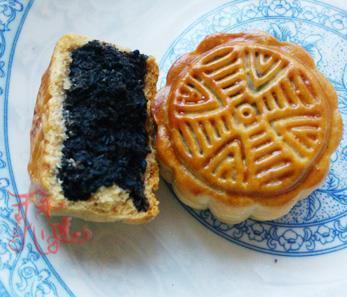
(247,119)
(246,113)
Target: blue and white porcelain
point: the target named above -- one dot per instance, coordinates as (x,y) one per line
(174,255)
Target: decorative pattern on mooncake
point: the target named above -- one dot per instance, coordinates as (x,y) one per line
(245,123)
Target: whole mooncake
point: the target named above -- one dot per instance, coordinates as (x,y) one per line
(246,126)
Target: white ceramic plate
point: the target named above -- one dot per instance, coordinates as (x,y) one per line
(175,255)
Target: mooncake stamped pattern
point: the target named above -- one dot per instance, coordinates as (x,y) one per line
(316,225)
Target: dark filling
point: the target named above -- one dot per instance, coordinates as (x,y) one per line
(105,112)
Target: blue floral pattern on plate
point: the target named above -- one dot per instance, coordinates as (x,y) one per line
(26,273)
(318,224)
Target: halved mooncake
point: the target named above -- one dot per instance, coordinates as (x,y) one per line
(246,126)
(91,140)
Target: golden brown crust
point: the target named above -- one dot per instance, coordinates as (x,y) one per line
(246,126)
(47,134)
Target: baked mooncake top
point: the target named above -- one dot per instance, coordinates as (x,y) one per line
(246,123)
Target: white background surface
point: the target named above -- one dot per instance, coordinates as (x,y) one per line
(173,255)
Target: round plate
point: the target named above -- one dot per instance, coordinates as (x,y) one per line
(174,255)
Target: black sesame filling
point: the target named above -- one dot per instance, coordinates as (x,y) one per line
(105,112)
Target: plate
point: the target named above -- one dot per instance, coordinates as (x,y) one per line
(183,252)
